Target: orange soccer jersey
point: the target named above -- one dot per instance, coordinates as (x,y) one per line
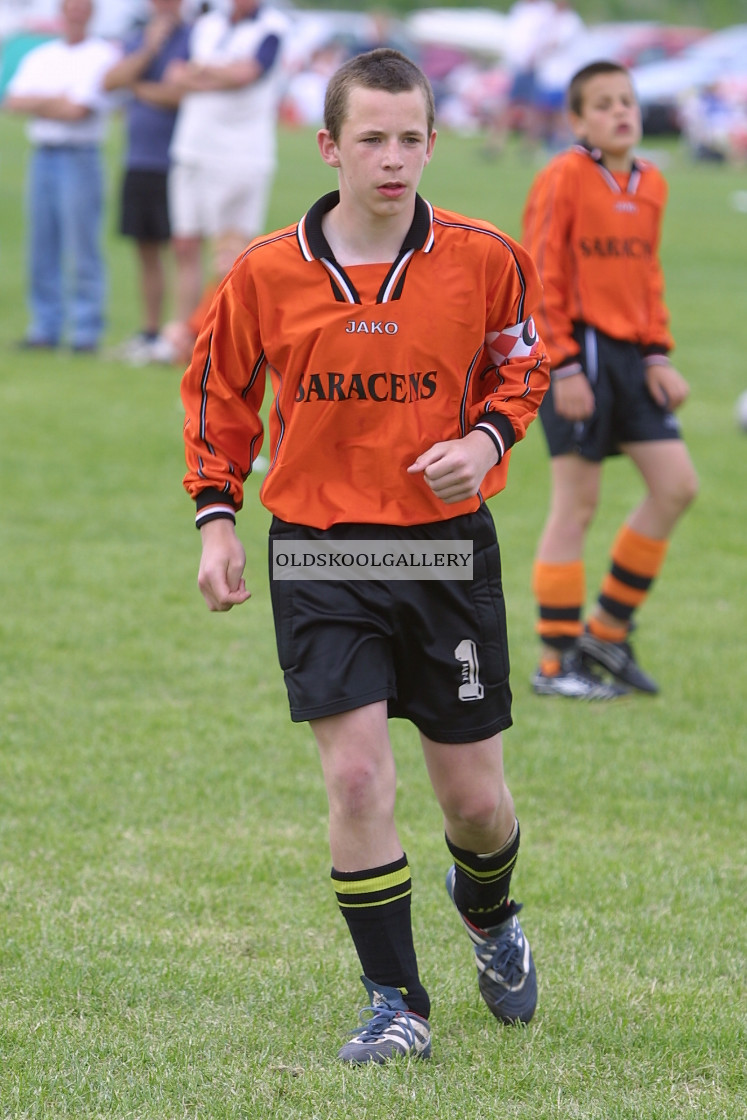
(369,365)
(594,236)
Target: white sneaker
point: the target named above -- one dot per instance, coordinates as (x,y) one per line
(135,351)
(162,351)
(576,680)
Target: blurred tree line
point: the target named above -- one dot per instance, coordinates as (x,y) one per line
(694,13)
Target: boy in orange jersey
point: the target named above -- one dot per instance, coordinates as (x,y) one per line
(404,365)
(592,223)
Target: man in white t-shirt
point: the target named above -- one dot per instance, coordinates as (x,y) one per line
(223,152)
(59,86)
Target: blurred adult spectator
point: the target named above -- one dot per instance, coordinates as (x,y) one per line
(564,27)
(59,87)
(383,29)
(473,97)
(713,118)
(335,38)
(303,96)
(534,28)
(223,150)
(706,117)
(527,29)
(150,115)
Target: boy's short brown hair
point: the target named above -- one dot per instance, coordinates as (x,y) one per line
(584,75)
(385,69)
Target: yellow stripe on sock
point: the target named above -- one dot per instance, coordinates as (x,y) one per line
(370,886)
(350,905)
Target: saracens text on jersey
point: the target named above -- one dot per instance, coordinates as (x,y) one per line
(401,388)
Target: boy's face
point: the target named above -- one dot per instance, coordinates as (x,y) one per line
(610,117)
(381,151)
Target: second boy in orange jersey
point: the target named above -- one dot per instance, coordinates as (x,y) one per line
(592,223)
(404,364)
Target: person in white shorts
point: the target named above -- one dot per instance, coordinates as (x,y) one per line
(223,152)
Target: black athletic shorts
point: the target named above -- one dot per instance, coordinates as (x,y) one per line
(144,206)
(435,650)
(625,411)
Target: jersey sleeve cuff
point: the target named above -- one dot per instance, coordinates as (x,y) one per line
(569,367)
(501,431)
(212,505)
(653,357)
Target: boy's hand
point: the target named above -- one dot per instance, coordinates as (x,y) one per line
(221,575)
(573,397)
(666,385)
(455,468)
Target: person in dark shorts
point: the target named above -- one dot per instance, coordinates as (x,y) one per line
(150,112)
(386,436)
(592,222)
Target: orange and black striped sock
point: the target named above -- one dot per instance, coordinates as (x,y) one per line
(560,591)
(635,562)
(376,905)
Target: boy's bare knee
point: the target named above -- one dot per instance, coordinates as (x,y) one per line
(691,488)
(360,788)
(480,811)
(681,492)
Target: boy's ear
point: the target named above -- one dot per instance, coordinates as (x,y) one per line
(578,126)
(327,148)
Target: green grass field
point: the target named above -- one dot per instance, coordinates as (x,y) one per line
(169,942)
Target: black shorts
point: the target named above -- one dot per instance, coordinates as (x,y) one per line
(625,411)
(144,206)
(435,650)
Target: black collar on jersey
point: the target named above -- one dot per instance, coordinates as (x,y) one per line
(634,177)
(314,246)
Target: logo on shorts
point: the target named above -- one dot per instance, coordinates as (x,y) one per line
(466,655)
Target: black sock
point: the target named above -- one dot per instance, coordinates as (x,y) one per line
(482,883)
(376,905)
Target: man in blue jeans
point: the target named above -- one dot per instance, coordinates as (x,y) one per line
(58,85)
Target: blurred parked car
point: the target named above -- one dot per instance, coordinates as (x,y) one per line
(663,86)
(631,43)
(475,30)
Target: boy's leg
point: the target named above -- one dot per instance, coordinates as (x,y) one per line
(469,783)
(638,554)
(671,484)
(482,835)
(558,581)
(371,878)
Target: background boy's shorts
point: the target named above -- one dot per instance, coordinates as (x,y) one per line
(208,201)
(435,650)
(625,411)
(144,206)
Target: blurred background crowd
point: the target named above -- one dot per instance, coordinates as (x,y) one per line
(491,69)
(496,73)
